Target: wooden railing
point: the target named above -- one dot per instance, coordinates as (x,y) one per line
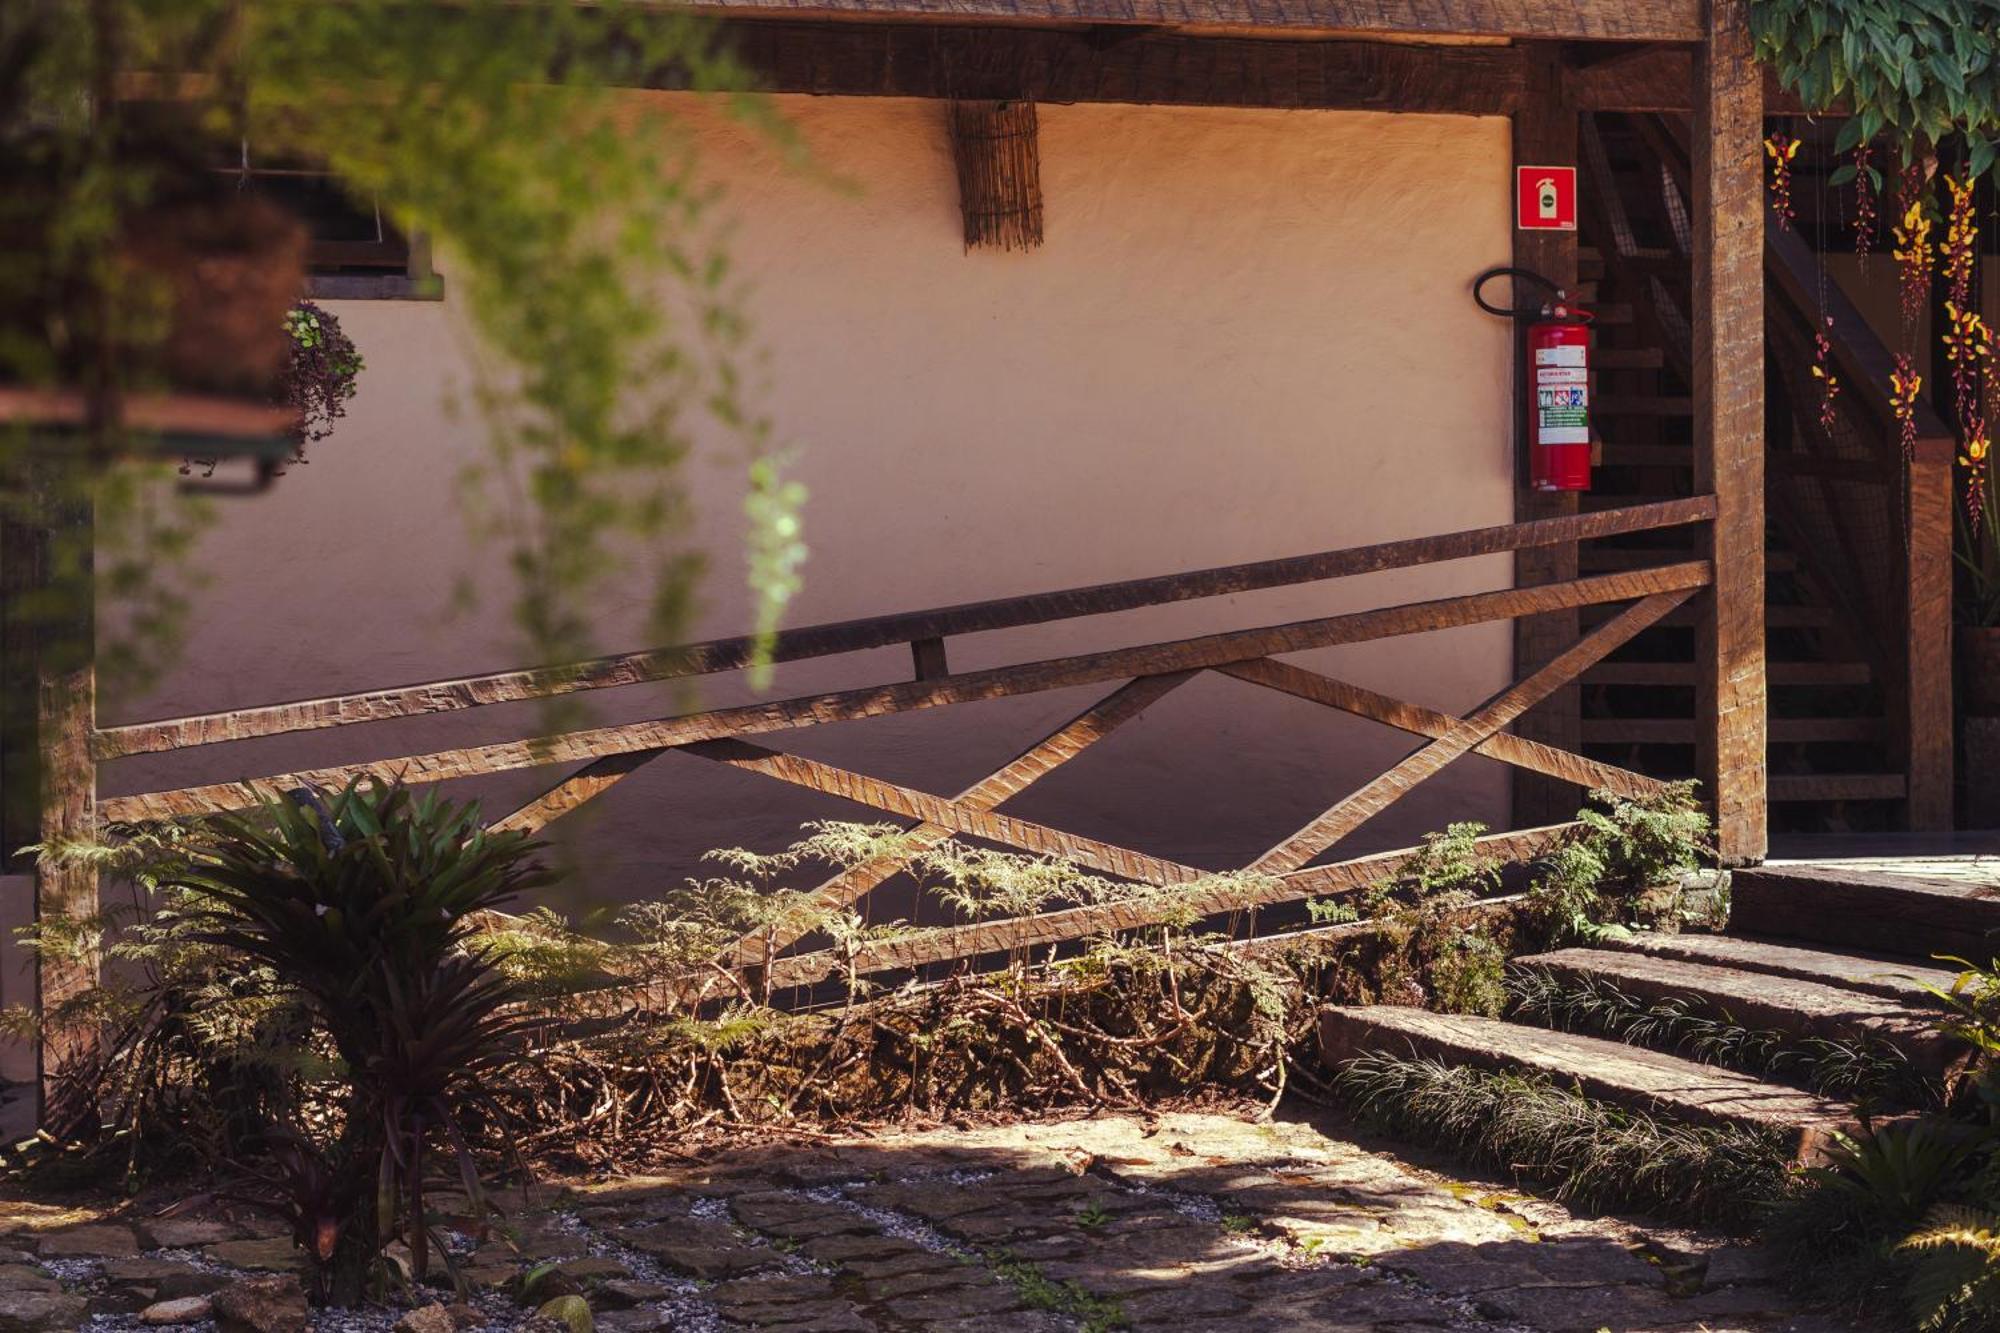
(1141,675)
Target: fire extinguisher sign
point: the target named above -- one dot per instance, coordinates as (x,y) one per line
(1545,198)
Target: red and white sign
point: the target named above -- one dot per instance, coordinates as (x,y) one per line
(1545,198)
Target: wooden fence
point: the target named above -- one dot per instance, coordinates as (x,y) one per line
(1139,675)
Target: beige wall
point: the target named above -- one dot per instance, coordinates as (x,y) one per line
(1249,335)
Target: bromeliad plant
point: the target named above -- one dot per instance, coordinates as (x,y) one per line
(363,903)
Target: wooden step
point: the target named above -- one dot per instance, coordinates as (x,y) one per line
(1607,1070)
(1645,455)
(1757,999)
(1776,617)
(1837,786)
(1682,673)
(1641,405)
(1904,915)
(1901,979)
(1597,559)
(1627,358)
(1681,730)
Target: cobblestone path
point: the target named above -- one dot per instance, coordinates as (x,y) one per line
(1197,1223)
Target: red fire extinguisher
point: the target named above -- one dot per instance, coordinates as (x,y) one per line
(1558,366)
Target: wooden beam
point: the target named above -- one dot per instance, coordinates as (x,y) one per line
(66,706)
(905,696)
(587,783)
(1544,135)
(1093,724)
(1420,721)
(1567,20)
(1728,319)
(880,631)
(1351,812)
(1660,80)
(1925,724)
(1055,65)
(1216,897)
(1021,834)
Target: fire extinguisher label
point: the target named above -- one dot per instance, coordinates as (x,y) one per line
(1568,354)
(1564,414)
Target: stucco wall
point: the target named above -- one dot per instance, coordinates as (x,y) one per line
(1248,335)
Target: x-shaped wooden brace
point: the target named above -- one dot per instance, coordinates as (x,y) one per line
(971,813)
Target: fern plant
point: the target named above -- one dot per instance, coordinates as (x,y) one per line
(1954,1286)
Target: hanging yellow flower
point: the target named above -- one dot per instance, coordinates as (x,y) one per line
(1781,150)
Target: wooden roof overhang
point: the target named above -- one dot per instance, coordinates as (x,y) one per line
(1544,20)
(1462,58)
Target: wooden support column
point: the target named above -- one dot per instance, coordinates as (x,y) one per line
(1728,316)
(1925,721)
(1544,135)
(66,713)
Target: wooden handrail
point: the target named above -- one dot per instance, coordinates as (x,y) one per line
(881,631)
(1204,651)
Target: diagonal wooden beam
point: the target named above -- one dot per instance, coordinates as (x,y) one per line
(1216,896)
(903,696)
(1093,724)
(1421,721)
(898,800)
(587,783)
(1350,813)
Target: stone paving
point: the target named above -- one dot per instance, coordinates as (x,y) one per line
(1194,1222)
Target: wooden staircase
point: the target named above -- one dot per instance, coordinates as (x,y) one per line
(1842,743)
(1793,961)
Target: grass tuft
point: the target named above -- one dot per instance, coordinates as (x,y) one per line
(1863,1068)
(1593,1154)
(1095,1314)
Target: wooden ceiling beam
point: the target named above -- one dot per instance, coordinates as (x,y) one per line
(1657,79)
(1552,20)
(1065,66)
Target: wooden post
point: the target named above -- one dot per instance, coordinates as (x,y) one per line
(1728,311)
(1925,725)
(66,713)
(20,785)
(1544,135)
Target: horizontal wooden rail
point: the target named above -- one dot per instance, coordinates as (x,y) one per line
(882,631)
(1212,898)
(1209,650)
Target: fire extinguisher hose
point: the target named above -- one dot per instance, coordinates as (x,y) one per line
(1520,275)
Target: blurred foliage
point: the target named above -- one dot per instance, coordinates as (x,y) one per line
(584,251)
(1918,71)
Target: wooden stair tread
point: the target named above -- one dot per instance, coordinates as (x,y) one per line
(1641,405)
(1681,730)
(1756,999)
(1607,1070)
(1599,559)
(1902,980)
(1777,617)
(1627,358)
(1838,786)
(1905,915)
(1682,673)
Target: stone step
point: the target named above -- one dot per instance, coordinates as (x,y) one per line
(1902,980)
(1757,999)
(1607,1070)
(1904,915)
